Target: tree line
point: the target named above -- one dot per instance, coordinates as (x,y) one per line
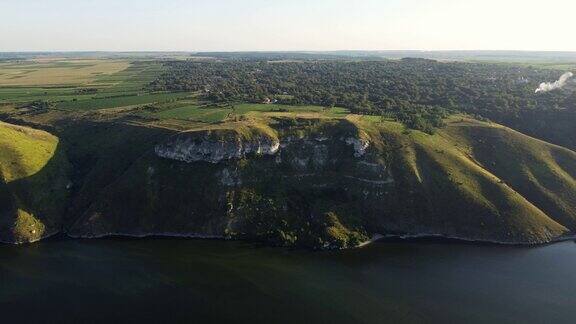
(417,92)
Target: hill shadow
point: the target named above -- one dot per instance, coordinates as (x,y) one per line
(90,156)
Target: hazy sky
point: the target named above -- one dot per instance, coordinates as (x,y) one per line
(193,25)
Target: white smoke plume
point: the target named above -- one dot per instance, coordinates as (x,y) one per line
(549,86)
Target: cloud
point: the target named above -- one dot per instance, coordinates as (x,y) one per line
(549,86)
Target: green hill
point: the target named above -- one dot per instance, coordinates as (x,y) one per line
(32,184)
(297,180)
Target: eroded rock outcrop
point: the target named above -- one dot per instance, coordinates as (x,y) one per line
(215,146)
(360,145)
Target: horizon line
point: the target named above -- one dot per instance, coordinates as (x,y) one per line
(287,51)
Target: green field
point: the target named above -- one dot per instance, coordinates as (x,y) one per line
(103,85)
(246,108)
(122,101)
(130,78)
(196,111)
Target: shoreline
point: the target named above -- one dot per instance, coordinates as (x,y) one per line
(415,237)
(375,238)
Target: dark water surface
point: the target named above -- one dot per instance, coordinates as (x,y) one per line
(172,280)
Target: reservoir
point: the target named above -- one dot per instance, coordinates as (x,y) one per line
(178,280)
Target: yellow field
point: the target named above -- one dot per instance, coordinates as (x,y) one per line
(59,72)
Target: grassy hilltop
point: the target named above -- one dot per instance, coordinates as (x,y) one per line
(32,184)
(122,159)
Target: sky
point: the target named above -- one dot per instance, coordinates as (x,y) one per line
(282,25)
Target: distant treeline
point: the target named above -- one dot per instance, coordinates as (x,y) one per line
(418,92)
(283,56)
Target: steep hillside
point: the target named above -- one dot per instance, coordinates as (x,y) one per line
(542,173)
(462,197)
(32,184)
(310,180)
(334,182)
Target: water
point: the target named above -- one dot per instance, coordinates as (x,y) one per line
(172,280)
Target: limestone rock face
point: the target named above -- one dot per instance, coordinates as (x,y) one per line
(208,147)
(360,145)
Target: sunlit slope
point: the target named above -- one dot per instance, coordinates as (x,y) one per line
(544,174)
(32,184)
(461,193)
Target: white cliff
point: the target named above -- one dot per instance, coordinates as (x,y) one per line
(189,147)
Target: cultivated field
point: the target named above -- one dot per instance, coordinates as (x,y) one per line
(57,72)
(117,88)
